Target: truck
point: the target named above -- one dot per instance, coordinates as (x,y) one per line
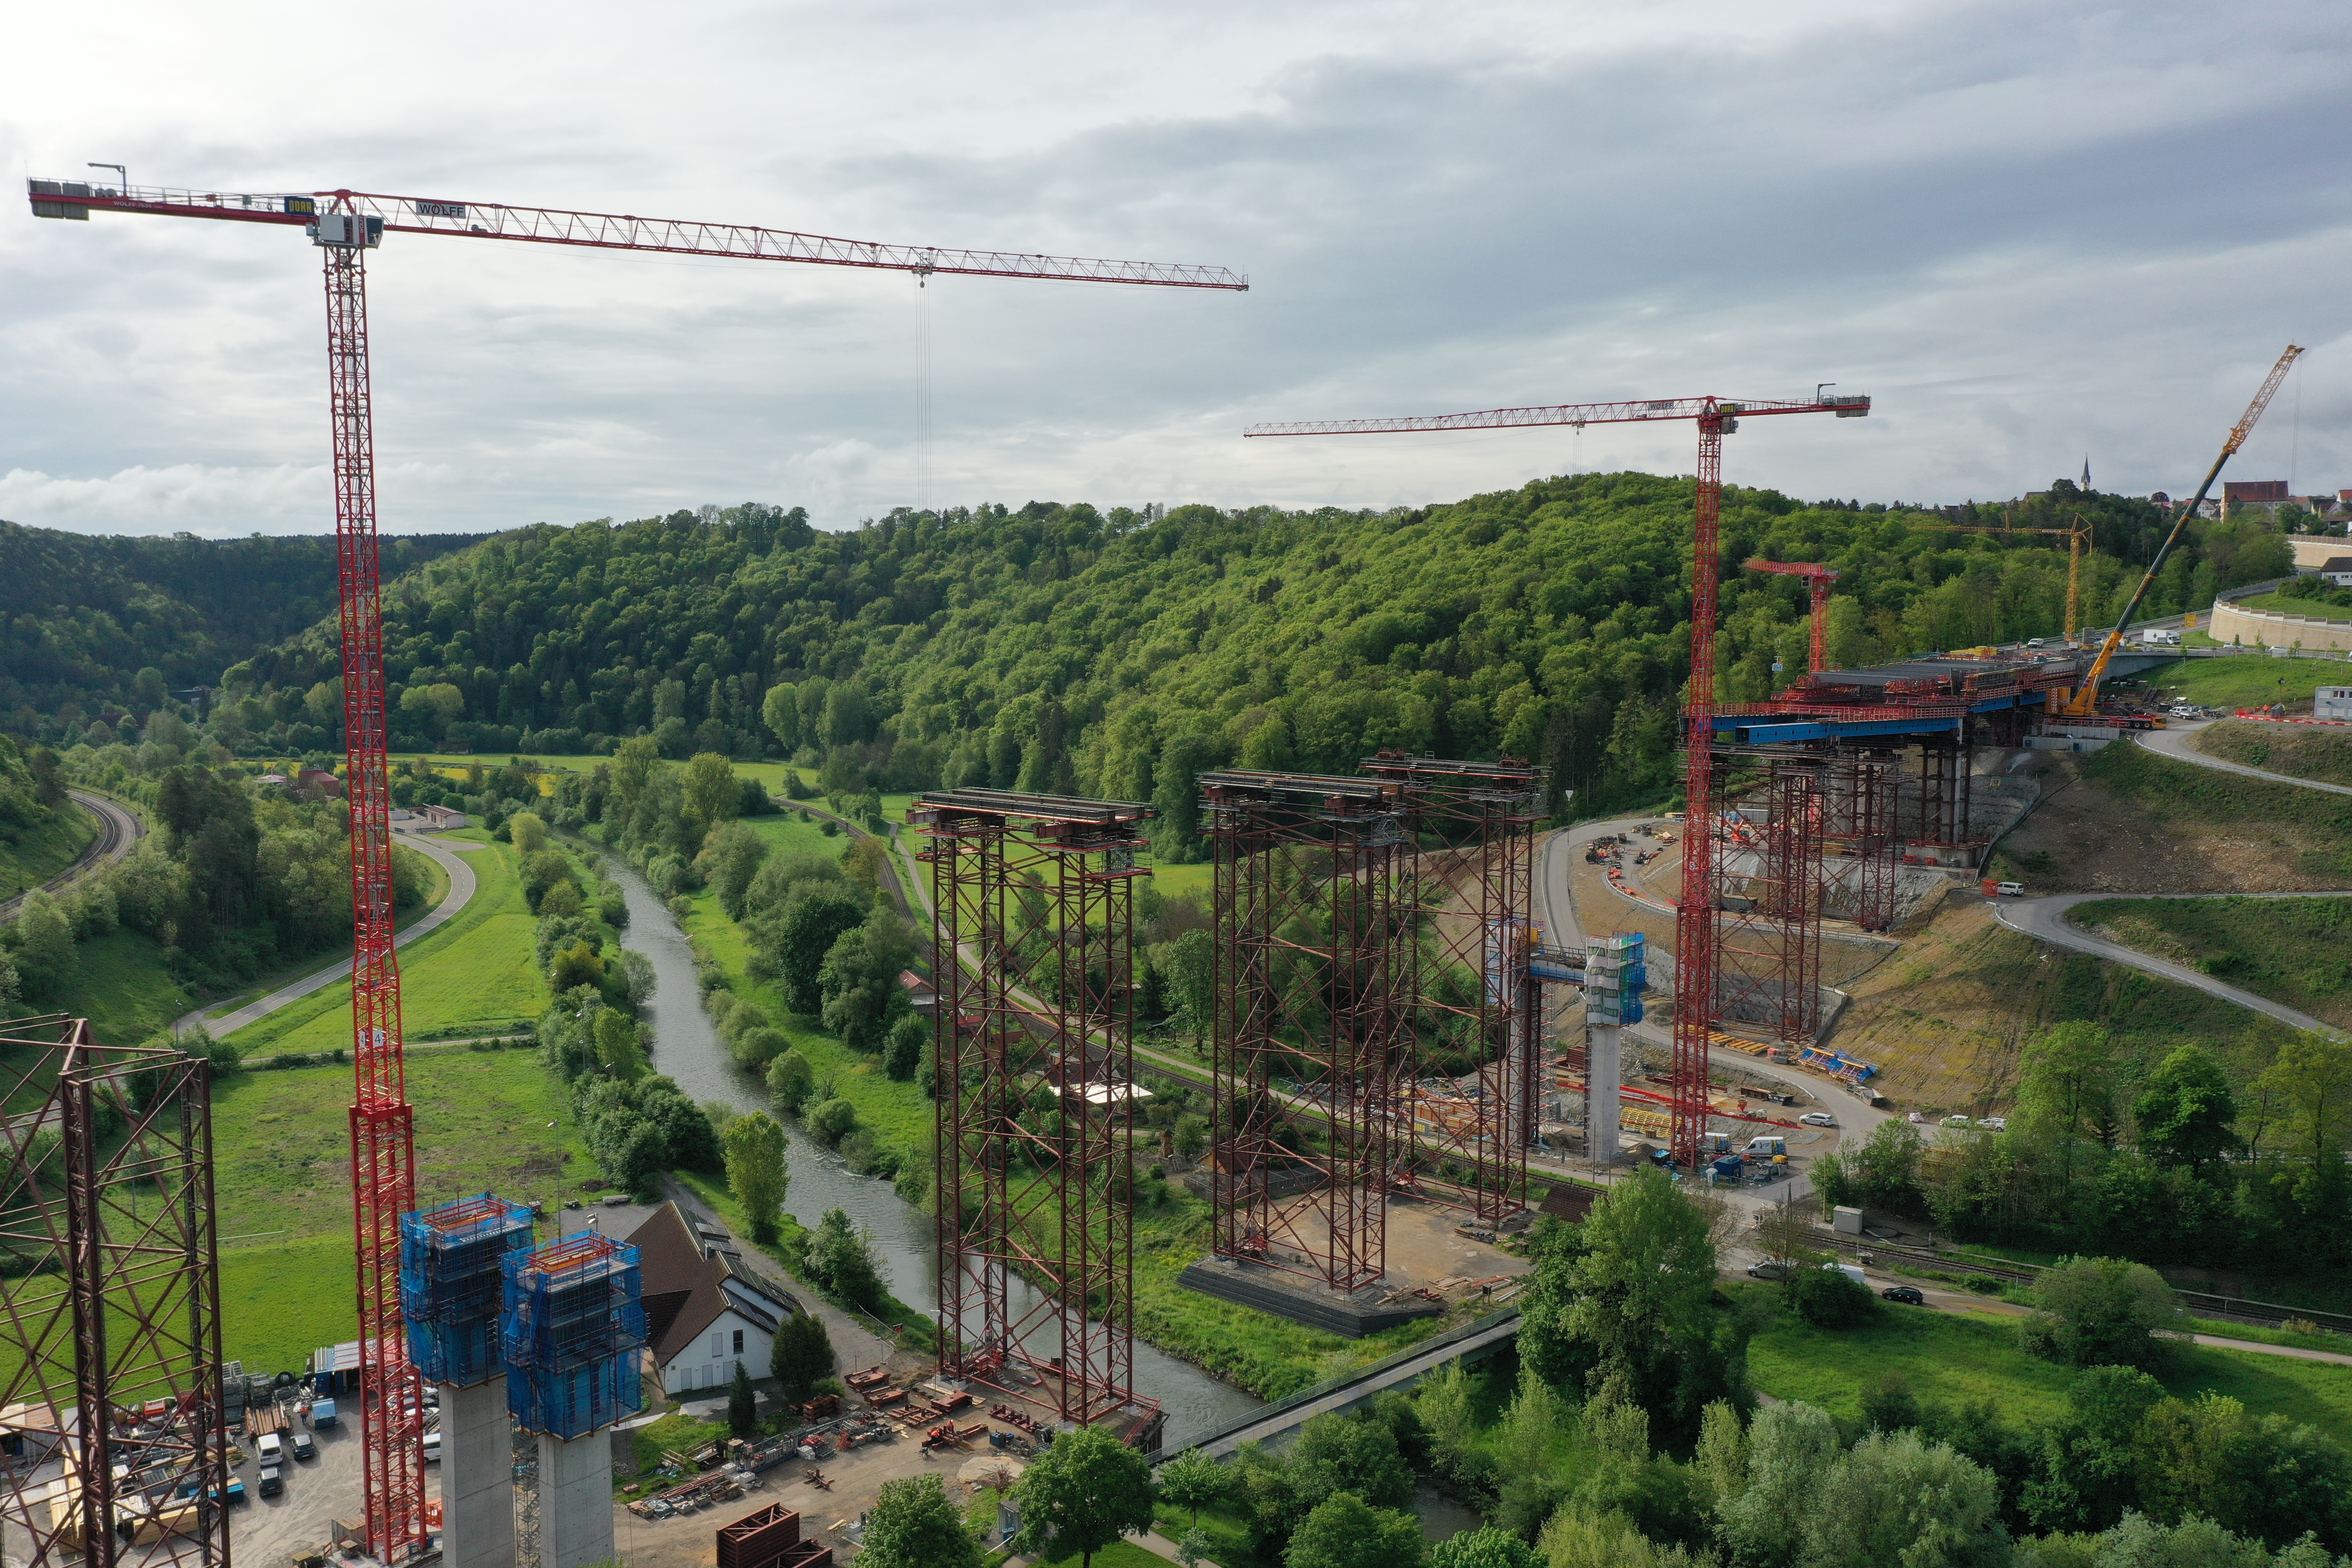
(2156,637)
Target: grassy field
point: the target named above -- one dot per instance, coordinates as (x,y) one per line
(1957,1357)
(45,851)
(476,973)
(2247,679)
(2279,605)
(2302,751)
(2294,950)
(281,1152)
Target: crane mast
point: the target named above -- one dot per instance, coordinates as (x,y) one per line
(345,224)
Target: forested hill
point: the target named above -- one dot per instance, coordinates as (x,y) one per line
(1057,648)
(80,615)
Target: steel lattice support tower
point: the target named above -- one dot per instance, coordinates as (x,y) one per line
(1465,894)
(1308,1029)
(1945,800)
(1860,845)
(1032,940)
(110,1320)
(384,1145)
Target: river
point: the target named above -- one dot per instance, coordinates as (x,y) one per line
(687,1049)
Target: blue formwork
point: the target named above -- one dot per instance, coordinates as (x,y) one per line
(575,1322)
(451,1284)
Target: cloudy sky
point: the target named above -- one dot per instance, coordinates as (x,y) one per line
(2030,230)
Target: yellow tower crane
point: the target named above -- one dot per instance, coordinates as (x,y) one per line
(2084,701)
(2077,538)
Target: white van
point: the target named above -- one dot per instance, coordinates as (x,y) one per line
(1851,1271)
(272,1448)
(2010,889)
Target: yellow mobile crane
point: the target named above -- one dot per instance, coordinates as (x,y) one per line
(2084,701)
(2077,537)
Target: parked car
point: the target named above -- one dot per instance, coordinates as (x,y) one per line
(271,1447)
(305,1446)
(1997,1124)
(1817,1119)
(272,1483)
(1956,1121)
(1909,1295)
(433,1447)
(1770,1268)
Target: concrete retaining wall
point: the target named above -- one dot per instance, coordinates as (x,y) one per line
(2262,629)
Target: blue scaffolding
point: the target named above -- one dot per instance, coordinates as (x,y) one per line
(575,1322)
(450,1285)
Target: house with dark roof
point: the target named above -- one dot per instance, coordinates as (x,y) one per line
(706,1308)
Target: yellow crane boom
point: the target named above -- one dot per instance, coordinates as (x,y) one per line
(2084,701)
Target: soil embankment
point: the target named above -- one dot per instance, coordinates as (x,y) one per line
(2306,751)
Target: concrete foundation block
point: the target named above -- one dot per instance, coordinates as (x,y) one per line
(477,1519)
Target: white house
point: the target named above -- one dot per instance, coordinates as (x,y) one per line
(2338,570)
(705,1309)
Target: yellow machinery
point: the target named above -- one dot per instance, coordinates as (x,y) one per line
(2084,701)
(2077,538)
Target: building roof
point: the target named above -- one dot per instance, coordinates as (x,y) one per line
(2337,564)
(691,1272)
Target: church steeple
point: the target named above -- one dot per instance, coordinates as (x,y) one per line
(2086,471)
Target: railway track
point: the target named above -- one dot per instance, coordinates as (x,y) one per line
(118,831)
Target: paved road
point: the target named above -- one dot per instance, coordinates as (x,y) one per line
(2174,743)
(2045,919)
(462,884)
(118,830)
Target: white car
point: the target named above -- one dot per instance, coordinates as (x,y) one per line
(433,1447)
(1998,1123)
(1957,1121)
(272,1448)
(1817,1119)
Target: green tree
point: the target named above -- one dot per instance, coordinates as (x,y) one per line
(2087,1472)
(1484,1548)
(46,964)
(730,858)
(913,1525)
(1761,1514)
(859,981)
(1899,1499)
(742,1404)
(904,1053)
(2185,1110)
(1189,963)
(829,1122)
(802,1356)
(634,762)
(789,1080)
(2259,1476)
(1345,1532)
(780,709)
(841,1261)
(1193,1479)
(813,922)
(1825,1297)
(617,1045)
(1086,1491)
(2103,1311)
(713,794)
(528,831)
(756,1171)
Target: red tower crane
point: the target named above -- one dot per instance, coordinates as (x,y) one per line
(345,226)
(1818,578)
(1695,915)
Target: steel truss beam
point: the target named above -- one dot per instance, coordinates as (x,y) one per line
(1472,1029)
(109,1303)
(1032,932)
(1308,1003)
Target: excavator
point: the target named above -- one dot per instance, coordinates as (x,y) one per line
(2083,701)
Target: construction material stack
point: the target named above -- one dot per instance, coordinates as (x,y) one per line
(452,1288)
(573,1324)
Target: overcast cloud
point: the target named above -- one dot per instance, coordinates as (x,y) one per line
(2032,231)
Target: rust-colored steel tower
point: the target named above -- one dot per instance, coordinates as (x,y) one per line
(109,1316)
(1033,911)
(1309,1022)
(1472,1015)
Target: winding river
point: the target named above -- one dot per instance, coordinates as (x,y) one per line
(687,1049)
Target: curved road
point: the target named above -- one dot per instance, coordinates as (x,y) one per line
(2045,919)
(462,884)
(118,830)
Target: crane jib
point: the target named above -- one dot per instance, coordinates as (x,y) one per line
(618,231)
